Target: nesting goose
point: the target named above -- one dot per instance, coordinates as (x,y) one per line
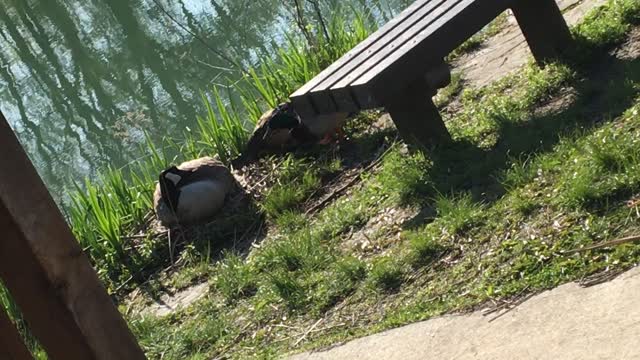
(282,129)
(192,191)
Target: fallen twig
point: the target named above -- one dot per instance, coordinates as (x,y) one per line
(511,307)
(350,183)
(507,304)
(304,336)
(138,236)
(600,278)
(621,241)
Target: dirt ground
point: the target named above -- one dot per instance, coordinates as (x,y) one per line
(507,51)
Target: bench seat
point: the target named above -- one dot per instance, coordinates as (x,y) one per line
(401,65)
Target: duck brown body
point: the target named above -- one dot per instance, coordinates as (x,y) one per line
(283,129)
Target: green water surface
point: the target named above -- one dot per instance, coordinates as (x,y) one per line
(82,80)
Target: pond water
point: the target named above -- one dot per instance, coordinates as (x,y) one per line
(82,80)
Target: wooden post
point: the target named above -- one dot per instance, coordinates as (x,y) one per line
(544,28)
(415,115)
(46,271)
(11,345)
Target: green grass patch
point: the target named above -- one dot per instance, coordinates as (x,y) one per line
(424,248)
(234,278)
(386,275)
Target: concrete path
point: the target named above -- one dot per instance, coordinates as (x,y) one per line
(569,322)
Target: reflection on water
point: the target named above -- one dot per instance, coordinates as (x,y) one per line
(82,80)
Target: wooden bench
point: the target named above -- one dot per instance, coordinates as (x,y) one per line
(401,66)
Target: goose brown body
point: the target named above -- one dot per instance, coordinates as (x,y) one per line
(194,191)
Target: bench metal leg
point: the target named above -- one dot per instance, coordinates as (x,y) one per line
(417,119)
(543,26)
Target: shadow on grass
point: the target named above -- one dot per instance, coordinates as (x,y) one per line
(605,91)
(234,230)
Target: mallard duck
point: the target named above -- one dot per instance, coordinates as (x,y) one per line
(325,127)
(192,191)
(283,129)
(278,129)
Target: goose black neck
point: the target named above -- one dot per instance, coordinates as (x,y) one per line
(169,191)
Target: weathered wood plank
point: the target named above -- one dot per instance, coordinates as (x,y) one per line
(303,105)
(417,42)
(301,100)
(46,271)
(11,345)
(429,46)
(345,101)
(48,318)
(362,46)
(437,76)
(434,13)
(394,38)
(543,27)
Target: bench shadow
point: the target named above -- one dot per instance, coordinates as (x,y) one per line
(604,93)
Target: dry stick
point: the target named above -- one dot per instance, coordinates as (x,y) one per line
(605,244)
(506,303)
(511,307)
(308,331)
(588,281)
(133,237)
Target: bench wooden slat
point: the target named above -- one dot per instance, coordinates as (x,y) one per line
(387,44)
(435,12)
(432,44)
(303,105)
(362,46)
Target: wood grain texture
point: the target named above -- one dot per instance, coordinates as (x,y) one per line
(412,43)
(362,46)
(46,271)
(432,44)
(378,71)
(421,27)
(407,27)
